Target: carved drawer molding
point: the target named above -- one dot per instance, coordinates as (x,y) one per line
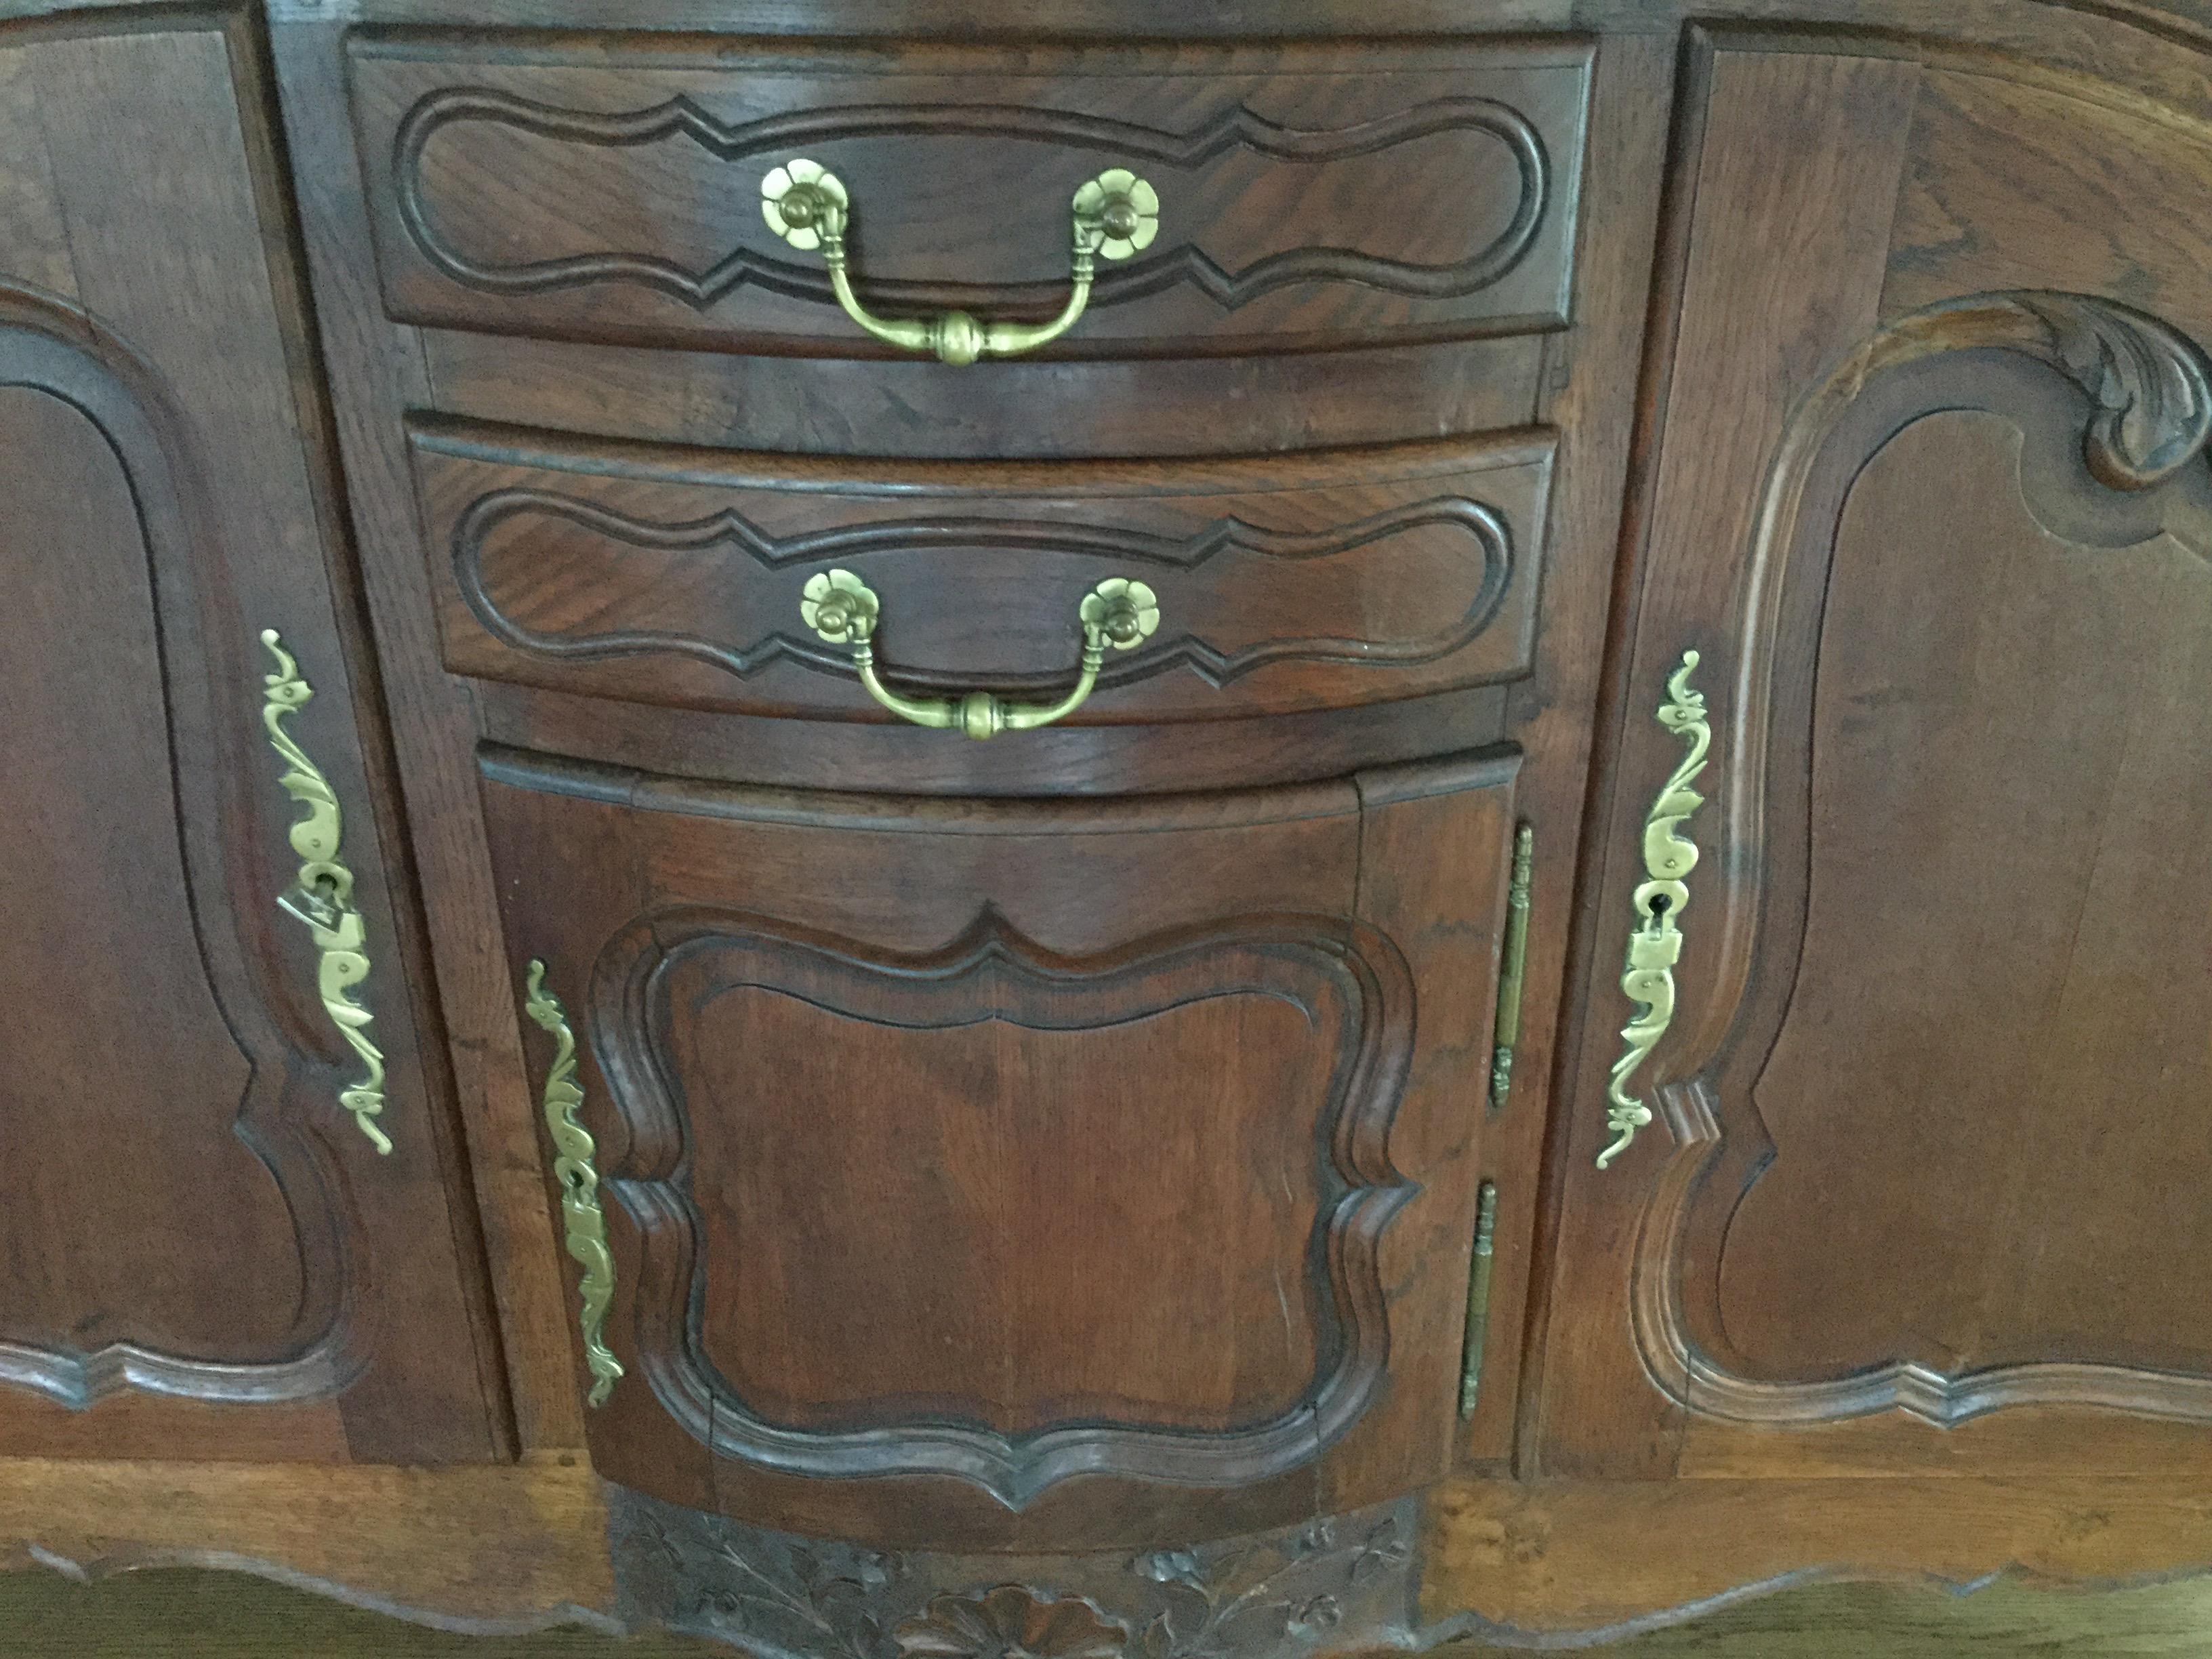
(1315,198)
(2112,410)
(668,575)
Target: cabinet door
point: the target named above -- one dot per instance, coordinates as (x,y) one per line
(207,1255)
(1063,1174)
(1926,1183)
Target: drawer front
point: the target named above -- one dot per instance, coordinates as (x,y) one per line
(1043,1173)
(610,190)
(675,577)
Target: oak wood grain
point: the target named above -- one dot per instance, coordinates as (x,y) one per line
(1163,1053)
(673,576)
(1749,334)
(376,370)
(1035,410)
(486,1548)
(249,1247)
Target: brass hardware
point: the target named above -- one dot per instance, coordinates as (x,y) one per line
(1655,942)
(1114,216)
(1478,1301)
(574,1149)
(1118,613)
(323,896)
(1512,959)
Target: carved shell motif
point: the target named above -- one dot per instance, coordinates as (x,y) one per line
(1011,1622)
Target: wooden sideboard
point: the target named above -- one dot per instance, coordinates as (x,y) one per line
(1548,963)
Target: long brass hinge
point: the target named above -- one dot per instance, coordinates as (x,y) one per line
(1511,960)
(1478,1300)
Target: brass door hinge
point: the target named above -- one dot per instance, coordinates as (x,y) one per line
(1511,960)
(1478,1300)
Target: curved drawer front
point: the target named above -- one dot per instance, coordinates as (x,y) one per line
(610,190)
(1057,1174)
(675,576)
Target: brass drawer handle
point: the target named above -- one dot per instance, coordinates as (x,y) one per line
(583,1222)
(1117,614)
(1114,216)
(323,896)
(1654,944)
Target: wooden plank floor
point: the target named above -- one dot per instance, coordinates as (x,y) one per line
(214,1615)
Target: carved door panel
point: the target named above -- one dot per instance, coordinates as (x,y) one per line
(207,1254)
(1925,1180)
(1052,1173)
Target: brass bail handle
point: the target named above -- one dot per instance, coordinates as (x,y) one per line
(1114,215)
(1117,615)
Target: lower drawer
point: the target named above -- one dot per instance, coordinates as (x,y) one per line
(1059,1173)
(673,576)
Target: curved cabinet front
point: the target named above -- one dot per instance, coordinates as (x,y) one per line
(1042,1173)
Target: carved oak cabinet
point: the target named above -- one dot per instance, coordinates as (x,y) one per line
(1105,830)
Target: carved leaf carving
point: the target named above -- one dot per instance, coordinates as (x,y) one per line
(2149,390)
(1338,1585)
(992,972)
(2150,385)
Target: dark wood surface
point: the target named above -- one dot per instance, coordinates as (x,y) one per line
(609,189)
(1919,1209)
(205,1255)
(1028,410)
(168,1615)
(1039,1172)
(1931,1080)
(673,576)
(493,1551)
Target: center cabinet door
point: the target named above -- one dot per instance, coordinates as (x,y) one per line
(1052,1173)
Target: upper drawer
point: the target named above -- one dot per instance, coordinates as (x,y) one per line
(1310,198)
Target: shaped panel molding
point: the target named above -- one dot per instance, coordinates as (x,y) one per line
(667,575)
(2067,436)
(1345,981)
(1309,203)
(134,698)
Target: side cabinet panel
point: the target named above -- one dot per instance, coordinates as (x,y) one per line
(1043,1173)
(206,1255)
(1926,1178)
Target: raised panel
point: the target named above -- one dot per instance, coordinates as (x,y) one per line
(93,879)
(673,576)
(608,189)
(2037,834)
(1069,1181)
(206,1257)
(1950,1030)
(1930,1064)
